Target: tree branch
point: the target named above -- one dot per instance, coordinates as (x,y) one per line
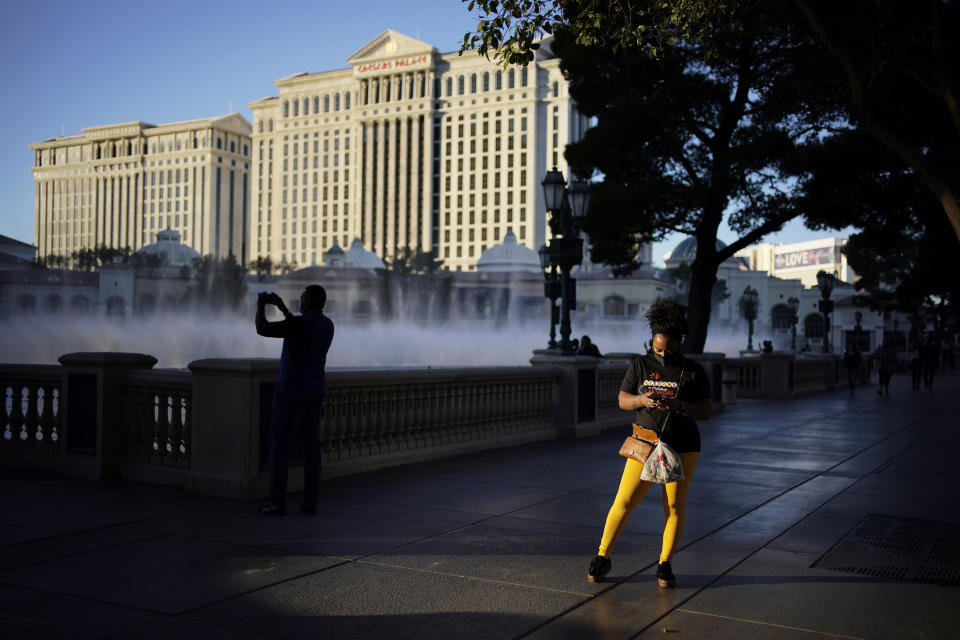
(769,226)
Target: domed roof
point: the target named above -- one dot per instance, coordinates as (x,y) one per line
(686,251)
(509,256)
(357,256)
(168,245)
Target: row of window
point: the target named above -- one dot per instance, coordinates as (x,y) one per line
(117,149)
(294,107)
(483,80)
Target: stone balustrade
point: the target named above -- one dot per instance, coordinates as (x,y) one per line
(106,415)
(31,408)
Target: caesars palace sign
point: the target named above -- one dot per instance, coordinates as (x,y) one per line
(400,64)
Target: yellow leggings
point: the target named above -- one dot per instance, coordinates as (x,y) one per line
(631,492)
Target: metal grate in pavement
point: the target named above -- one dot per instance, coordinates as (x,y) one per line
(893,548)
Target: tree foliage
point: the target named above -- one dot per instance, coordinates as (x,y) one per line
(890,67)
(510,29)
(218,284)
(407,261)
(903,251)
(685,141)
(263,266)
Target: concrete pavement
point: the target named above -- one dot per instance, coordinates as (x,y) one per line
(806,518)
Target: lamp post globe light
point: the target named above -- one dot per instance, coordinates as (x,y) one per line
(826,282)
(794,304)
(749,301)
(567,209)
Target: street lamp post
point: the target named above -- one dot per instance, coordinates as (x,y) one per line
(749,302)
(826,282)
(858,330)
(568,207)
(551,290)
(794,304)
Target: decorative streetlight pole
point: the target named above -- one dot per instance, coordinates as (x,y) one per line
(826,282)
(794,304)
(858,330)
(749,302)
(567,207)
(551,290)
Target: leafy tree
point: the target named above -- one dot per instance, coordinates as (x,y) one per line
(414,285)
(85,259)
(683,273)
(55,261)
(409,261)
(888,66)
(286,267)
(904,251)
(218,284)
(684,141)
(263,267)
(91,259)
(510,28)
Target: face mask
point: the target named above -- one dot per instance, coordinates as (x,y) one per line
(665,360)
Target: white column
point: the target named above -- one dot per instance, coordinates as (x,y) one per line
(416,212)
(403,213)
(368,208)
(390,202)
(378,243)
(426,229)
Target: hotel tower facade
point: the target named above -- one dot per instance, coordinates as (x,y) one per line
(407,147)
(119,185)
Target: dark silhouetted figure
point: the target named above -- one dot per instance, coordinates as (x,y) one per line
(587,348)
(851,361)
(888,364)
(767,346)
(916,370)
(930,358)
(301,389)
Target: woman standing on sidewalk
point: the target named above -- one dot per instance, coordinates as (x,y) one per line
(662,387)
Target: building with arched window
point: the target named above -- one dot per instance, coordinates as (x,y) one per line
(424,151)
(119,184)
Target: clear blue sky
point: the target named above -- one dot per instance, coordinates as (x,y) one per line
(71,64)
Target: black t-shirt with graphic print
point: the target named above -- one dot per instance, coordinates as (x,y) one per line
(646,374)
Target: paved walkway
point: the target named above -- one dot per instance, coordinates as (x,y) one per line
(497,545)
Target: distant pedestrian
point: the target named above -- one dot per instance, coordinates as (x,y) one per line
(768,346)
(851,361)
(300,392)
(930,359)
(664,388)
(888,365)
(587,348)
(916,369)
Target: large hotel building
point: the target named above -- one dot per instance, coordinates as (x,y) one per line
(408,148)
(119,185)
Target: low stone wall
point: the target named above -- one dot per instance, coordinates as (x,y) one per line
(109,415)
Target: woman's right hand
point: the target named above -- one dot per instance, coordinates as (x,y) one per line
(647,401)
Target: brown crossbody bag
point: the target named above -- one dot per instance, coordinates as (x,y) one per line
(641,442)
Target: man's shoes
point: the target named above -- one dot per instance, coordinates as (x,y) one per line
(309,511)
(599,567)
(665,578)
(273,510)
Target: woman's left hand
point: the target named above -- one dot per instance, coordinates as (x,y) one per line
(670,404)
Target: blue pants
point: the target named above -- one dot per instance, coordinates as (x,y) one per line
(295,414)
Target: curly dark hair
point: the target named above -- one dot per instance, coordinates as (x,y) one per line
(669,318)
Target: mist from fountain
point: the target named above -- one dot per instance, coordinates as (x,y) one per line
(176,340)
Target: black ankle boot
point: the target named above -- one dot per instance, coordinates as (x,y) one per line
(665,578)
